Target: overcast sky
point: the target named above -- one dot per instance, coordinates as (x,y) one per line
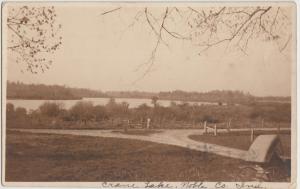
(99,53)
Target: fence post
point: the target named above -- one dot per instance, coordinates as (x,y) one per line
(148,123)
(228,125)
(252,135)
(262,123)
(126,126)
(215,130)
(205,128)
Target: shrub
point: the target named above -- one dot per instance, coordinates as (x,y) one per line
(10,111)
(100,113)
(65,115)
(21,111)
(51,109)
(83,111)
(10,108)
(209,119)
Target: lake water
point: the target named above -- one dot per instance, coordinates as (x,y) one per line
(133,102)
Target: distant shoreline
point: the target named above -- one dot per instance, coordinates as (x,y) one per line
(21,91)
(181,100)
(10,98)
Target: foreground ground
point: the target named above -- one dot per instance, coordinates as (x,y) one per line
(49,157)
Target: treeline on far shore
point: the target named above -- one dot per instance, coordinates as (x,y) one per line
(19,90)
(177,115)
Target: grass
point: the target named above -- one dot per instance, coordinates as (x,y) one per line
(241,139)
(49,157)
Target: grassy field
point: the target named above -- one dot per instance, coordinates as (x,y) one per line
(48,157)
(45,157)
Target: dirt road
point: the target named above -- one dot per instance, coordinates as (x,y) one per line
(177,137)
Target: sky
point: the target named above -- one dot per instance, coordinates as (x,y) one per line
(103,53)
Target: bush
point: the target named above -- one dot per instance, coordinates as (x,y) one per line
(210,119)
(100,113)
(65,115)
(82,111)
(10,111)
(51,109)
(255,115)
(21,111)
(115,110)
(10,108)
(142,112)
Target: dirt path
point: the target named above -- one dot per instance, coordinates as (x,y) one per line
(177,137)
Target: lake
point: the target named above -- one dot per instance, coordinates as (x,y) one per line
(133,102)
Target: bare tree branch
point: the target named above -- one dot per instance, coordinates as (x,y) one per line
(33,33)
(207,27)
(286,43)
(110,11)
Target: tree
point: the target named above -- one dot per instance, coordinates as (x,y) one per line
(10,108)
(231,27)
(33,35)
(83,111)
(124,107)
(10,111)
(154,100)
(111,103)
(51,109)
(21,112)
(210,119)
(100,113)
(143,111)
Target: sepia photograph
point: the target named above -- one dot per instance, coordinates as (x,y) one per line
(149,94)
